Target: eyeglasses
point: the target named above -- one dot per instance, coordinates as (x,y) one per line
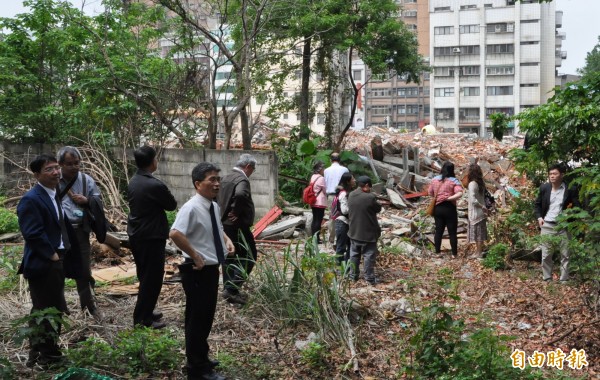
(50,169)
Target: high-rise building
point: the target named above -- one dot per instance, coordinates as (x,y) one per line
(491,56)
(391,101)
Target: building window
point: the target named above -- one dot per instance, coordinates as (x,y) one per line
(410,13)
(426,110)
(500,49)
(469,50)
(530,21)
(530,84)
(298,116)
(441,51)
(426,91)
(507,111)
(411,27)
(443,92)
(408,92)
(285,95)
(443,71)
(410,1)
(380,92)
(470,91)
(530,42)
(380,110)
(469,114)
(488,5)
(444,113)
(426,75)
(285,116)
(468,6)
(320,118)
(500,70)
(499,90)
(469,70)
(504,27)
(380,77)
(469,29)
(530,63)
(409,109)
(298,74)
(442,9)
(443,30)
(357,74)
(320,97)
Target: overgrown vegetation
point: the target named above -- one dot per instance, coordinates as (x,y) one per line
(496,257)
(135,352)
(8,219)
(10,258)
(32,327)
(565,129)
(296,158)
(306,288)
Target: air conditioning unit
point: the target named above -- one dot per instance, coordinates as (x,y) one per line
(456,50)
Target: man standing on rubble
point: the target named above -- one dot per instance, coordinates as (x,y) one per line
(237,216)
(553,198)
(79,195)
(332,175)
(364,229)
(148,231)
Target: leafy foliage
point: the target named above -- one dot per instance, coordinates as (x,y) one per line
(499,123)
(592,61)
(8,221)
(32,326)
(135,352)
(7,371)
(496,257)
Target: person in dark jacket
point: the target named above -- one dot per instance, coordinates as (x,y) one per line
(237,216)
(77,192)
(364,229)
(553,198)
(148,231)
(48,255)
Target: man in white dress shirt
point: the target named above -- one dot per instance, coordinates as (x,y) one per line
(198,232)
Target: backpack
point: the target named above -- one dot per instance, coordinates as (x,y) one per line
(336,208)
(308,195)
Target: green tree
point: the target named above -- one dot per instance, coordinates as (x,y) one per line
(592,61)
(65,76)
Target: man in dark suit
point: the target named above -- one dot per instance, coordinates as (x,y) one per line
(148,231)
(237,216)
(553,198)
(47,256)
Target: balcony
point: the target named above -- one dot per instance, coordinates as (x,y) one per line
(559,16)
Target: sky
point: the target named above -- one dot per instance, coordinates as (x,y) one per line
(580,23)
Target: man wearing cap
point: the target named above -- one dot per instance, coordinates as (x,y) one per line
(332,175)
(364,229)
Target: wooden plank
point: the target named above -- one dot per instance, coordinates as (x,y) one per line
(415,195)
(266,220)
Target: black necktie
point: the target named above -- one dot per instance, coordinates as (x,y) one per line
(63,226)
(216,235)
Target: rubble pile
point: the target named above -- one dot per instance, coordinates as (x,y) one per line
(405,163)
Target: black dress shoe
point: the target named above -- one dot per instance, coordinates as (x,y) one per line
(157,325)
(156,315)
(213,363)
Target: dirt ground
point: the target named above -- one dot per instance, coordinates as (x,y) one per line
(542,316)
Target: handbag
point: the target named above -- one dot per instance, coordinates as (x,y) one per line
(431,206)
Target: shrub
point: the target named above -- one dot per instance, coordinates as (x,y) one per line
(8,221)
(496,257)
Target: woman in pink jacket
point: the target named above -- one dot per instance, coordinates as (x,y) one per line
(318,209)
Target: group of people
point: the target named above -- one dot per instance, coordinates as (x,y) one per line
(212,230)
(353,226)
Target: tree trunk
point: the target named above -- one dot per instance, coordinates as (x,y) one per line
(355,95)
(304,92)
(246,139)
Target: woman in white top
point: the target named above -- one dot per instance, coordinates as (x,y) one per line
(340,214)
(477,232)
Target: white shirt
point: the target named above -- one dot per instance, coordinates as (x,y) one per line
(333,174)
(193,220)
(52,195)
(556,200)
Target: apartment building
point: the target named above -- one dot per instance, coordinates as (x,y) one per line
(390,101)
(491,56)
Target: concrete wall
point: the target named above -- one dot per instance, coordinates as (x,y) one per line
(175,169)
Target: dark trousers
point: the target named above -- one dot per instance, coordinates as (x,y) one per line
(318,214)
(149,257)
(342,245)
(237,268)
(85,282)
(201,288)
(445,215)
(47,291)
